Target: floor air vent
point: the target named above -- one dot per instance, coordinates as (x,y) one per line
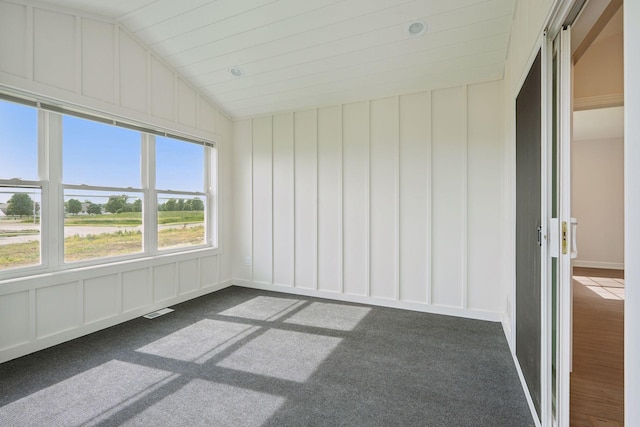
(158,313)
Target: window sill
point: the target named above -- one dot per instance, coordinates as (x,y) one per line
(42,277)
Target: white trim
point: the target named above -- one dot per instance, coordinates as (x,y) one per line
(632,212)
(382,302)
(523,382)
(599,264)
(367,192)
(599,101)
(464,262)
(546,121)
(429,206)
(532,57)
(565,295)
(43,280)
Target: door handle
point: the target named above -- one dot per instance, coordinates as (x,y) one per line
(564,237)
(539,235)
(574,238)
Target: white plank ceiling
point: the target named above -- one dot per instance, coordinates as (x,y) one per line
(304,53)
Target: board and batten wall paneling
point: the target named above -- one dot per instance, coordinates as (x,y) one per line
(387,205)
(384,197)
(355,198)
(188,105)
(485,121)
(243,200)
(262,165)
(133,73)
(71,58)
(330,199)
(283,201)
(165,285)
(58,308)
(188,275)
(55,49)
(415,198)
(209,275)
(14,39)
(225,202)
(305,193)
(98,54)
(136,290)
(14,318)
(68,304)
(449,175)
(101,297)
(162,90)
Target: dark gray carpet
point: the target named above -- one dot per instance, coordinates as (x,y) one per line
(243,357)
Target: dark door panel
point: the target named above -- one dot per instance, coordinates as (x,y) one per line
(528,221)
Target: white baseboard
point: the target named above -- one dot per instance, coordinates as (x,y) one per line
(506,328)
(598,264)
(362,299)
(527,395)
(59,338)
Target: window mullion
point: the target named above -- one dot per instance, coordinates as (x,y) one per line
(211,187)
(52,211)
(150,207)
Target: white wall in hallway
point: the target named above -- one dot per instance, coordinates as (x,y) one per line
(597,201)
(394,201)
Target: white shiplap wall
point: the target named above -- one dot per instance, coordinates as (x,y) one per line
(94,64)
(394,201)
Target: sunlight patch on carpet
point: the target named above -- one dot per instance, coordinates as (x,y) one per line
(330,316)
(286,355)
(202,402)
(263,308)
(86,398)
(198,342)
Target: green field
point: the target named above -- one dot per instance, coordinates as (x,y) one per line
(129,219)
(99,246)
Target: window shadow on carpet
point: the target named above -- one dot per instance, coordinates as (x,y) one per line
(255,358)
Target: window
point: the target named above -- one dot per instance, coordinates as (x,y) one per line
(20,188)
(103,195)
(104,189)
(182,200)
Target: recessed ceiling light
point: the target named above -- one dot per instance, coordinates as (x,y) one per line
(236,71)
(417,28)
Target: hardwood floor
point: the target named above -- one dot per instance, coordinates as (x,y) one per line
(597,380)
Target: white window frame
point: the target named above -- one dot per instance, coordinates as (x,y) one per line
(41,184)
(52,188)
(207,195)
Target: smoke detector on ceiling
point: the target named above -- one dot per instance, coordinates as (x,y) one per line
(416,28)
(236,71)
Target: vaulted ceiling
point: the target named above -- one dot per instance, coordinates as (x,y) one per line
(294,54)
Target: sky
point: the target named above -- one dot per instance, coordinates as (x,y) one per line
(95,154)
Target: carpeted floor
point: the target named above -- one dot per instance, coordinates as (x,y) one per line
(243,357)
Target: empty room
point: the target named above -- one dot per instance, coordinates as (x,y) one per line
(306,212)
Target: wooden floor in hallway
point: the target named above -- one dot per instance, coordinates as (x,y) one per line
(597,380)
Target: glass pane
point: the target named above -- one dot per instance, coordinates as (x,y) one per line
(18,141)
(100,155)
(180,221)
(19,227)
(179,165)
(99,224)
